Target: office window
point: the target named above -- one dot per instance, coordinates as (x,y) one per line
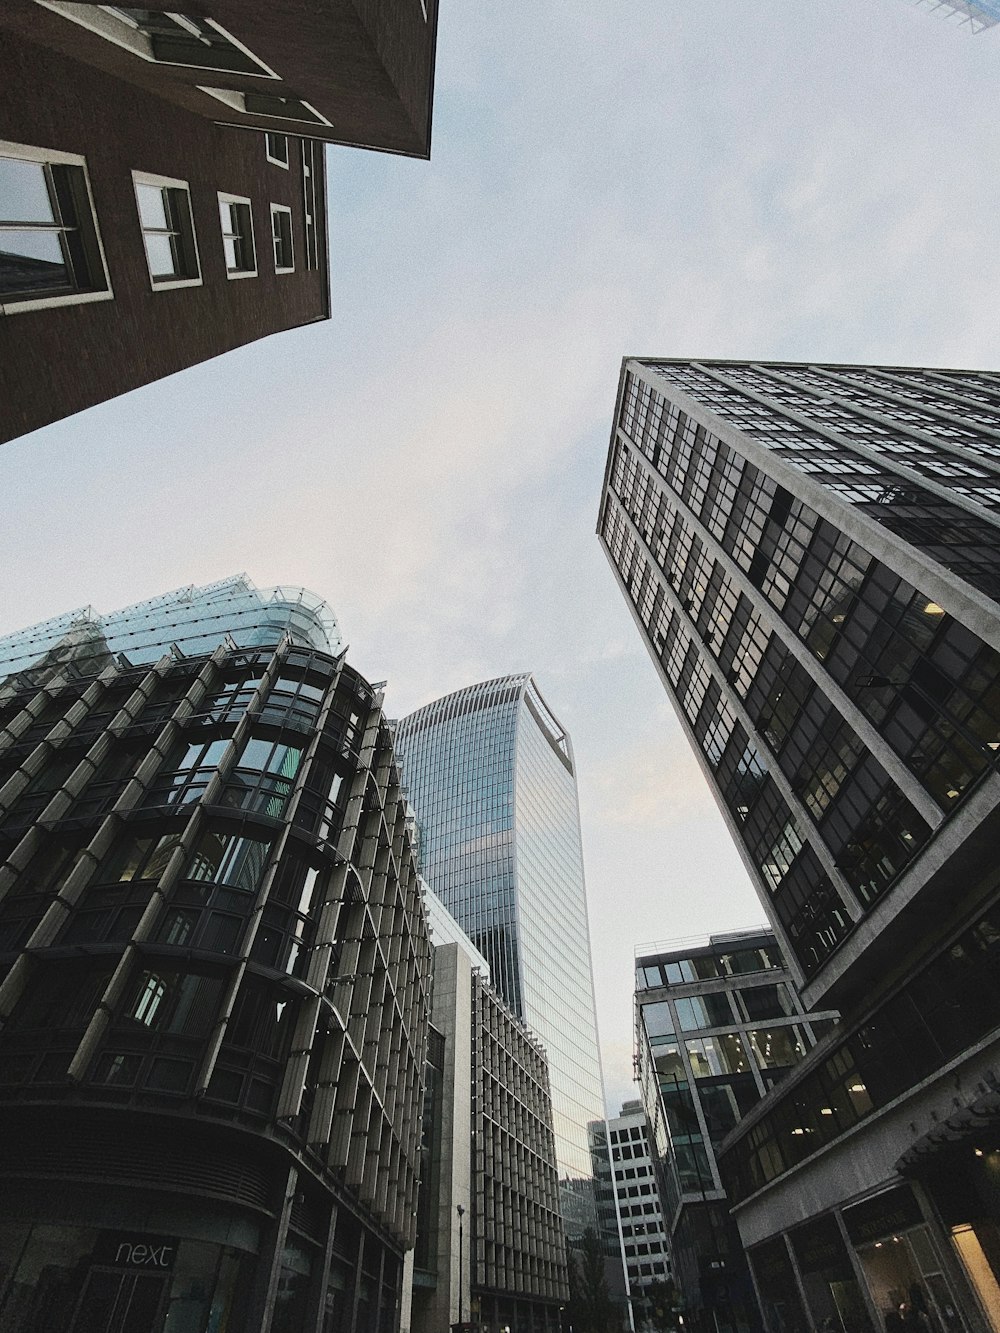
(50,246)
(276,149)
(237,236)
(167,230)
(281,237)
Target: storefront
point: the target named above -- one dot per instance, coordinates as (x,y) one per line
(903,1269)
(878,1266)
(84,1279)
(830,1285)
(963,1181)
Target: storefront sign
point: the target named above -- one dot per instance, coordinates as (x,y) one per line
(819,1248)
(136,1250)
(894,1210)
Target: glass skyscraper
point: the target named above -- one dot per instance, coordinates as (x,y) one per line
(489,771)
(192,620)
(812,555)
(978,14)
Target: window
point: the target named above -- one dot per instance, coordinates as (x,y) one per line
(237,236)
(50,246)
(281,236)
(276,149)
(167,230)
(165,38)
(310,174)
(225,858)
(266,104)
(704,1011)
(189,769)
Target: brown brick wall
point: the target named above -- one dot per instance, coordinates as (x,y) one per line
(57,361)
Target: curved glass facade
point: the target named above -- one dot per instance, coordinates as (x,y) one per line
(196,620)
(489,772)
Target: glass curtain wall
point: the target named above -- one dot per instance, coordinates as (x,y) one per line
(489,772)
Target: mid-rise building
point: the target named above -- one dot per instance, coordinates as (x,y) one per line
(811,555)
(169,203)
(214,991)
(489,772)
(638,1215)
(718,1023)
(488,1150)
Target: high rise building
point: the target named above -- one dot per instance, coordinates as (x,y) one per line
(629,1196)
(718,1022)
(489,1151)
(169,204)
(811,554)
(214,988)
(489,771)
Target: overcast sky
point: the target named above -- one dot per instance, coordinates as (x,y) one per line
(746,178)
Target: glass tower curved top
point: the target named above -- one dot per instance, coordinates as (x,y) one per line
(194,620)
(490,775)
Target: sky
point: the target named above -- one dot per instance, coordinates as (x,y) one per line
(800,179)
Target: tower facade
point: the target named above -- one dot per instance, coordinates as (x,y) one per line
(811,554)
(214,992)
(489,771)
(488,1150)
(630,1200)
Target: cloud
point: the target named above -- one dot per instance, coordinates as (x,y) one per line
(759,180)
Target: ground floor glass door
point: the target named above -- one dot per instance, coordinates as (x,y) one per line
(113,1301)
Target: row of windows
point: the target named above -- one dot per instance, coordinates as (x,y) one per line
(972,553)
(738,962)
(868,841)
(50,242)
(163,37)
(949,1005)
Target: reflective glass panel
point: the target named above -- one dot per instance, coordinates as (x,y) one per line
(160,254)
(152,206)
(777,1047)
(657,1020)
(24,195)
(711,1056)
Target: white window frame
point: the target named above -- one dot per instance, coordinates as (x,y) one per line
(278,162)
(236,101)
(117,29)
(168,183)
(240,272)
(16,305)
(283,208)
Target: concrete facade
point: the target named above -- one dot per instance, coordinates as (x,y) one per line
(489,1150)
(811,554)
(635,1203)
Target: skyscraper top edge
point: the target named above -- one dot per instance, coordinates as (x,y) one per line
(653,361)
(489,694)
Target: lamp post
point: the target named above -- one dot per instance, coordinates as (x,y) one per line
(461,1267)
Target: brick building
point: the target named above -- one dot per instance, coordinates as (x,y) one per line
(162,185)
